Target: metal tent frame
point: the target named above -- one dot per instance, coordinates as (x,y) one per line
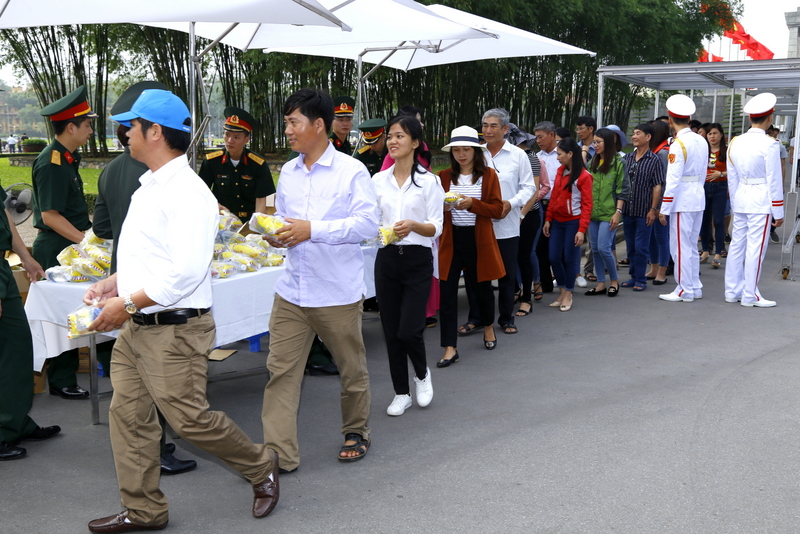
(778,76)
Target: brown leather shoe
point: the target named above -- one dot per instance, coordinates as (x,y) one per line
(120,523)
(266,493)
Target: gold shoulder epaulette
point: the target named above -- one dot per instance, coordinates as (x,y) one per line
(363,149)
(255,157)
(55,157)
(212,155)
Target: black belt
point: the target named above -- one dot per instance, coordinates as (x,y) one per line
(167,317)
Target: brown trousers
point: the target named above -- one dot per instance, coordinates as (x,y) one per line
(291,331)
(166,367)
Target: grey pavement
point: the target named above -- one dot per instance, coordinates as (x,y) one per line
(627,415)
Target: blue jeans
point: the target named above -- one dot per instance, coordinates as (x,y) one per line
(565,257)
(601,237)
(659,243)
(637,239)
(716,202)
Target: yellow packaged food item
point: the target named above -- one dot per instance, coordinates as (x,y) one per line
(229,221)
(266,224)
(250,249)
(64,273)
(72,252)
(101,256)
(222,269)
(451,197)
(274,260)
(89,268)
(244,260)
(219,248)
(78,321)
(386,236)
(229,236)
(91,239)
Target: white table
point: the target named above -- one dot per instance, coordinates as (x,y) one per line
(242,305)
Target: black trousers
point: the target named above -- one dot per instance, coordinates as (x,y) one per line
(543,255)
(465,257)
(507,286)
(402,285)
(529,229)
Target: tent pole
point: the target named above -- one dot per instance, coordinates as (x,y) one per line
(714,110)
(793,179)
(192,91)
(658,103)
(730,119)
(360,88)
(600,99)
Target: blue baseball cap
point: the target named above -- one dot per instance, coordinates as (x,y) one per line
(160,107)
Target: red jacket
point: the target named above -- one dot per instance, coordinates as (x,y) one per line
(573,202)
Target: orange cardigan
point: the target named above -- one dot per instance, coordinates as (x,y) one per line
(490,264)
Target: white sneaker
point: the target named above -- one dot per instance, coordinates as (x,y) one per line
(399,405)
(672,297)
(580,281)
(763,303)
(424,389)
(733,299)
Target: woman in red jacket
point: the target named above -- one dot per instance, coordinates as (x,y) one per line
(567,219)
(467,242)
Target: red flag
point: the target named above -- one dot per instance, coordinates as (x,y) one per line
(703,56)
(739,36)
(716,58)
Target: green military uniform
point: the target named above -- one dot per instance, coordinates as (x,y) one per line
(16,348)
(372,131)
(342,146)
(343,107)
(238,186)
(57,185)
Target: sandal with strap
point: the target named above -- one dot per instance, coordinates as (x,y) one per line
(360,446)
(537,291)
(467,329)
(509,328)
(523,313)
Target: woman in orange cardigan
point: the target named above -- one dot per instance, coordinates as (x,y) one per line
(467,242)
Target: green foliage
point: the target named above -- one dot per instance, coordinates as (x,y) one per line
(12,175)
(33,141)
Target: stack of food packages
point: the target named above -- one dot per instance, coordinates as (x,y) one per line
(234,252)
(88,260)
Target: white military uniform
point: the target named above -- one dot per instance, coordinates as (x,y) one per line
(756,191)
(684,201)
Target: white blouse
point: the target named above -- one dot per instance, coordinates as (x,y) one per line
(423,202)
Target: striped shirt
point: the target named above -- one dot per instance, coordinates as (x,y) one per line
(466,188)
(536,167)
(644,175)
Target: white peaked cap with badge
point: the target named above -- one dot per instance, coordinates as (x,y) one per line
(760,105)
(680,106)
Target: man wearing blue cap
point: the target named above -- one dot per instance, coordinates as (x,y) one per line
(160,296)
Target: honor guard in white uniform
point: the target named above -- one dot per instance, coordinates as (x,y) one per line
(756,190)
(684,199)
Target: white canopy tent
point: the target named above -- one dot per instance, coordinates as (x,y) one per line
(778,76)
(406,52)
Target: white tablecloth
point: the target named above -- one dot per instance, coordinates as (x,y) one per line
(242,308)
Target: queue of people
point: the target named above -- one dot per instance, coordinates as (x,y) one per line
(484,217)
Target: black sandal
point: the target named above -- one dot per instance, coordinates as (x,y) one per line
(361,446)
(537,291)
(521,312)
(509,328)
(467,329)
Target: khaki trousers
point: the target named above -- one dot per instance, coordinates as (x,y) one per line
(291,331)
(166,367)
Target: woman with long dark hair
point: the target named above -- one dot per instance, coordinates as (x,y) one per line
(468,242)
(410,200)
(659,239)
(716,189)
(567,219)
(610,190)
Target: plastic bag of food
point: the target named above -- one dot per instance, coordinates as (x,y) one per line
(451,197)
(222,269)
(244,260)
(64,273)
(89,268)
(251,249)
(229,236)
(100,255)
(79,320)
(386,236)
(266,224)
(229,221)
(91,239)
(71,253)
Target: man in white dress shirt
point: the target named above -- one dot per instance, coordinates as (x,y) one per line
(330,206)
(160,297)
(516,184)
(755,183)
(684,199)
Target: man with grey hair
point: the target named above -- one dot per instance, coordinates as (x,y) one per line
(516,183)
(545,133)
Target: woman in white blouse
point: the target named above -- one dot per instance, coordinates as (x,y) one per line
(410,200)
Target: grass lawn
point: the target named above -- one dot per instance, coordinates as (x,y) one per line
(11,175)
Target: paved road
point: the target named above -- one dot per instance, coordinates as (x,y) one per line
(623,415)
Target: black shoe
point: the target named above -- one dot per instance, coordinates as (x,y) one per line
(773,236)
(727,238)
(430,322)
(71,392)
(42,433)
(11,452)
(323,370)
(172,466)
(170,448)
(445,363)
(283,471)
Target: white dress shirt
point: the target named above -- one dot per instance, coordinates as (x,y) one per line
(755,156)
(167,239)
(550,161)
(516,185)
(684,189)
(423,203)
(338,197)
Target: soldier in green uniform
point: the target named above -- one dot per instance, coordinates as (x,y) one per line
(374,149)
(343,108)
(16,350)
(60,212)
(238,177)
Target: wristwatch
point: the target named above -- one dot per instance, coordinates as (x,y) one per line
(130,307)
